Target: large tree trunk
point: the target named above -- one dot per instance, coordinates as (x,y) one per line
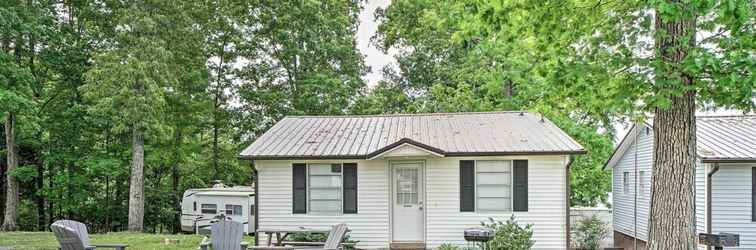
(136,186)
(672,221)
(11,198)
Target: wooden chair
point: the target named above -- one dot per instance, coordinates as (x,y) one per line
(333,242)
(73,235)
(225,235)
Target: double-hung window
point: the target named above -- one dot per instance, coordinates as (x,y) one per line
(626,182)
(641,183)
(324,187)
(493,185)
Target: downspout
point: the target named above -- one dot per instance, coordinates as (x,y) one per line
(567,199)
(708,198)
(256,184)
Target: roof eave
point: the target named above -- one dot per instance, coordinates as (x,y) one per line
(366,157)
(728,160)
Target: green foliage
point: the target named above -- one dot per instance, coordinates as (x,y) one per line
(509,235)
(589,232)
(447,246)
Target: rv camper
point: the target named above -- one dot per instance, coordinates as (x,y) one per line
(203,206)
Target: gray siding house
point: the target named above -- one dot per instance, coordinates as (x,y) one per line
(725,170)
(414,178)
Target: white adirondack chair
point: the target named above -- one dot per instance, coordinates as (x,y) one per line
(225,235)
(73,235)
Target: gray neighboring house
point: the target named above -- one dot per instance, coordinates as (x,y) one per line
(414,180)
(725,178)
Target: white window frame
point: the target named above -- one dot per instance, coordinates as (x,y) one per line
(511,188)
(341,190)
(241,209)
(202,209)
(625,182)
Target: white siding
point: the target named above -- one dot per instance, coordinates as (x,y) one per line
(444,222)
(624,200)
(370,225)
(546,203)
(731,203)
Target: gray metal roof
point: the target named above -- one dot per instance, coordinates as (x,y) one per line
(726,138)
(449,134)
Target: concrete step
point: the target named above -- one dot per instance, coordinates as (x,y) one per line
(407,245)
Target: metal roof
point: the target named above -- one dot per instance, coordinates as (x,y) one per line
(726,138)
(449,134)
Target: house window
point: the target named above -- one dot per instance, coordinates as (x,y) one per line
(233,210)
(324,187)
(641,182)
(626,182)
(209,208)
(493,185)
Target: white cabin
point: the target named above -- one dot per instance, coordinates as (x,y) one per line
(415,179)
(726,152)
(199,207)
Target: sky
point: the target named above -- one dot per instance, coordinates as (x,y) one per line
(374,58)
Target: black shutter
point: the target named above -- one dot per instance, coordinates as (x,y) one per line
(467,186)
(520,185)
(753,194)
(350,188)
(299,202)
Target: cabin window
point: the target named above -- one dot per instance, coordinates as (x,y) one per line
(641,182)
(493,185)
(626,182)
(233,210)
(324,187)
(194,206)
(209,208)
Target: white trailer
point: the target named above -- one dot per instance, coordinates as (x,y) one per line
(200,207)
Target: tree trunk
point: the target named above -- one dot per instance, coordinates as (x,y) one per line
(136,186)
(40,199)
(11,198)
(672,220)
(175,183)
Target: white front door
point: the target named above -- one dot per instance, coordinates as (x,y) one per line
(408,198)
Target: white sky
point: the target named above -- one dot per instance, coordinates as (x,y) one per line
(374,58)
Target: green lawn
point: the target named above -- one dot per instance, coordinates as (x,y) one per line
(136,241)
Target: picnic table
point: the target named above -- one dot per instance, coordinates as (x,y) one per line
(282,233)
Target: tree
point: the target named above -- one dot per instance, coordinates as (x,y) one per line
(131,78)
(453,61)
(631,58)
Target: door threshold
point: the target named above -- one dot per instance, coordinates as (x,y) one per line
(407,245)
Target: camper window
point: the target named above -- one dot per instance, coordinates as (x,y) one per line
(209,209)
(233,210)
(325,188)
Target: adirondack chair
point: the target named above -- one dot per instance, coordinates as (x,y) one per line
(73,235)
(225,235)
(333,242)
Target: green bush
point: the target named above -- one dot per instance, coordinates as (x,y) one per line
(509,235)
(589,232)
(317,237)
(447,246)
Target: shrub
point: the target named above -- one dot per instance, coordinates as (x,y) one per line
(589,232)
(509,235)
(447,246)
(317,237)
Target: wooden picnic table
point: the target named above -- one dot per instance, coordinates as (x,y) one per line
(282,233)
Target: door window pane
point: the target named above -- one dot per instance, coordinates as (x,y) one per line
(406,186)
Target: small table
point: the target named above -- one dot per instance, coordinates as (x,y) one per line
(282,233)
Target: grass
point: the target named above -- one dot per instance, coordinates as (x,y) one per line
(137,241)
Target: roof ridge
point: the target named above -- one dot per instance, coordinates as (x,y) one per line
(411,114)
